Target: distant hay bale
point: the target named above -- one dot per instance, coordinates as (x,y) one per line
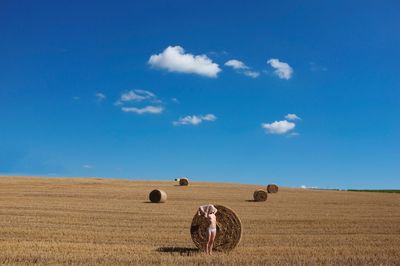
(260,195)
(183,181)
(229,230)
(158,196)
(272,188)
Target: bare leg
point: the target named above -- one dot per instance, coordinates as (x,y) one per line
(211,242)
(208,242)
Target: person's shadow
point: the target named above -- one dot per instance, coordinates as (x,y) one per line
(181,250)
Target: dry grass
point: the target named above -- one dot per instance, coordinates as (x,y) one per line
(92,221)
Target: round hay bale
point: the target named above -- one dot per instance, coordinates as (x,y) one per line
(272,188)
(183,181)
(260,195)
(229,230)
(158,196)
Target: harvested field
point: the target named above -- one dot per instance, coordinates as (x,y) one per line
(104,221)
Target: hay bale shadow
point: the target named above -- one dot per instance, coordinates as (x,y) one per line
(181,250)
(251,200)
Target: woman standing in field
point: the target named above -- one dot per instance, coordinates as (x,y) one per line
(209,212)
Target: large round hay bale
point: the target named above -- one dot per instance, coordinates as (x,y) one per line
(272,188)
(183,181)
(229,230)
(260,195)
(158,196)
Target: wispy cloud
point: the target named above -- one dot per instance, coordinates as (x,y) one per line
(174,100)
(194,119)
(174,59)
(87,166)
(135,96)
(144,97)
(305,187)
(147,109)
(242,68)
(282,69)
(278,127)
(251,74)
(292,117)
(314,67)
(100,96)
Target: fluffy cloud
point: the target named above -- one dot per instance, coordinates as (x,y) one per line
(194,119)
(236,64)
(282,69)
(174,59)
(241,67)
(147,109)
(292,117)
(278,127)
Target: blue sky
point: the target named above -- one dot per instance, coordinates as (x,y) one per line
(257,92)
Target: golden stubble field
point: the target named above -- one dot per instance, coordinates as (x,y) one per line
(104,221)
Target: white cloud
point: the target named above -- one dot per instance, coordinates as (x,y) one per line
(100,96)
(278,127)
(252,74)
(236,64)
(174,59)
(87,166)
(209,117)
(305,187)
(136,95)
(188,120)
(282,69)
(194,119)
(292,117)
(147,109)
(241,67)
